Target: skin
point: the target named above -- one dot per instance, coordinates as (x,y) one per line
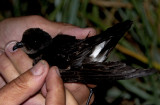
(17,76)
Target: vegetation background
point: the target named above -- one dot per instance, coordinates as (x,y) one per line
(139,47)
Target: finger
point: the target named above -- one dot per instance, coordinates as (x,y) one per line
(2,82)
(70,100)
(7,70)
(91,31)
(80,92)
(80,33)
(25,85)
(91,85)
(37,99)
(55,89)
(56,93)
(59,28)
(69,29)
(68,94)
(20,60)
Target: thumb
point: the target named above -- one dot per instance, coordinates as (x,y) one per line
(26,85)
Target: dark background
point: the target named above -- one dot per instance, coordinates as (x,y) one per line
(139,47)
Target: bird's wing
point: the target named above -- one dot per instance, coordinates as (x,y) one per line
(95,73)
(97,48)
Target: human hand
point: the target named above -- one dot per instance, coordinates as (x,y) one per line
(12,29)
(14,64)
(29,83)
(18,89)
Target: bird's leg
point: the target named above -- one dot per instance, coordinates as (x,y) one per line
(90,95)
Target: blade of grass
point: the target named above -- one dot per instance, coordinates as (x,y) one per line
(16,7)
(73,10)
(56,14)
(134,89)
(136,56)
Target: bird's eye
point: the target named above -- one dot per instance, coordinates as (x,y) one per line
(35,42)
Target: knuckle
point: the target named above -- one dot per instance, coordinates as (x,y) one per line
(21,83)
(37,17)
(4,62)
(4,66)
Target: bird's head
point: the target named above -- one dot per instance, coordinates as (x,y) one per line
(33,40)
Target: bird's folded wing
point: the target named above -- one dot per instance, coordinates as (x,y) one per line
(95,73)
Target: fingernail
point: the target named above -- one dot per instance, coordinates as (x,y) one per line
(1,51)
(90,31)
(9,46)
(38,69)
(57,71)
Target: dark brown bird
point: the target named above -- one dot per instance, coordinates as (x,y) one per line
(81,60)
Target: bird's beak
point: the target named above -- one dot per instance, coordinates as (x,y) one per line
(18,45)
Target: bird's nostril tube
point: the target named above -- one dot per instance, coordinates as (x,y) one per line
(18,45)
